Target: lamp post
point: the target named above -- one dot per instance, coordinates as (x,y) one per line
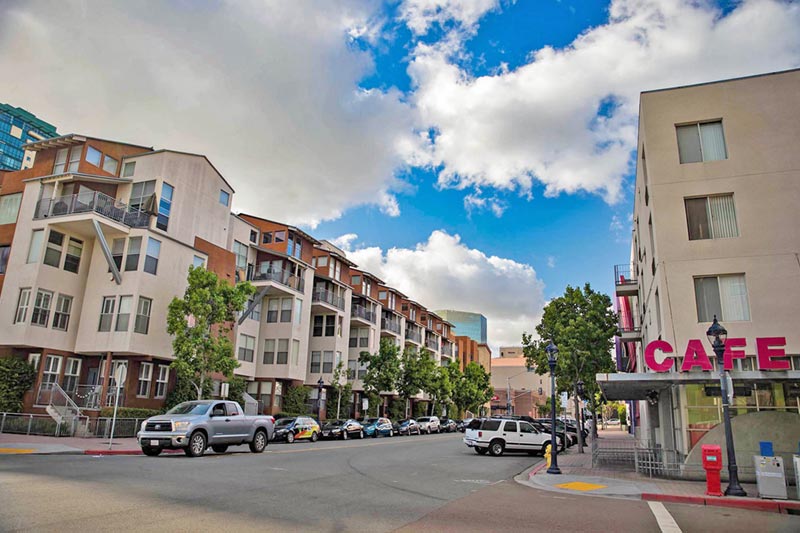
(320,385)
(508,390)
(717,335)
(552,355)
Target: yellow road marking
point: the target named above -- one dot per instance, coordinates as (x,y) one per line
(581,486)
(17,450)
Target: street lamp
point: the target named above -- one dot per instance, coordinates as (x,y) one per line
(717,335)
(320,386)
(552,355)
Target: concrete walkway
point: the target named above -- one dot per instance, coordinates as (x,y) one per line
(37,444)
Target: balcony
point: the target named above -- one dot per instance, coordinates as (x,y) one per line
(327,297)
(284,277)
(432,343)
(414,336)
(630,334)
(447,349)
(625,281)
(95,202)
(390,325)
(359,311)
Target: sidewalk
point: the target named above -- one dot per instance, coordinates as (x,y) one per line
(40,445)
(578,475)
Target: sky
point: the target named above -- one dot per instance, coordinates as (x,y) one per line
(477,155)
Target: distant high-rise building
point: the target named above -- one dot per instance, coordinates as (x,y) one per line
(19,127)
(473,325)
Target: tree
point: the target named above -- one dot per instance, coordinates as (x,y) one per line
(341,388)
(582,325)
(200,323)
(16,377)
(295,401)
(236,389)
(383,369)
(544,408)
(471,388)
(440,388)
(416,370)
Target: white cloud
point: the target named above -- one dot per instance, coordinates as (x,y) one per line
(345,242)
(539,122)
(551,261)
(267,90)
(444,273)
(420,15)
(476,202)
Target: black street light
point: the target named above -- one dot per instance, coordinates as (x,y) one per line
(320,386)
(552,356)
(717,335)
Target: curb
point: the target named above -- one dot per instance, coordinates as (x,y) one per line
(751,504)
(123,452)
(536,469)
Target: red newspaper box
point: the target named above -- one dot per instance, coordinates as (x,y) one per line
(712,464)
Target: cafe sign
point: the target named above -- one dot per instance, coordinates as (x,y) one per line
(770,355)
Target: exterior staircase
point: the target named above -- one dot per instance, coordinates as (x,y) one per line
(63,410)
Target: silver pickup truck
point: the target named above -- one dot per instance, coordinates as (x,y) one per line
(194,426)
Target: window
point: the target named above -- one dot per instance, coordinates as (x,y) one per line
(5,251)
(277,398)
(280,236)
(295,352)
(34,359)
(723,296)
(72,373)
(355,281)
(298,311)
(701,142)
(381,295)
(316,362)
(93,155)
(142,323)
(510,427)
(198,262)
(294,248)
(41,308)
(134,250)
(110,165)
(151,259)
(52,368)
(327,362)
(61,161)
(164,206)
(128,169)
(283,351)
(124,313)
(240,251)
(141,192)
(253,236)
(711,217)
(272,309)
(269,351)
(107,313)
(318,324)
(145,377)
(23,303)
(35,249)
(247,345)
(61,314)
(117,251)
(9,207)
(161,381)
(286,309)
(266,238)
(335,269)
(52,254)
(73,259)
(255,314)
(322,261)
(224,198)
(363,337)
(75,158)
(330,325)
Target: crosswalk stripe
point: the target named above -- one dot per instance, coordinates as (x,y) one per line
(665,521)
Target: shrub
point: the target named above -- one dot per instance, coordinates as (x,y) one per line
(296,399)
(397,409)
(16,377)
(129,412)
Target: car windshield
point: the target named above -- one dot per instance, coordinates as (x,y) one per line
(334,422)
(423,419)
(370,420)
(404,421)
(189,408)
(283,422)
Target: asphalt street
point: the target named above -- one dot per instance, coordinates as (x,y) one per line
(431,483)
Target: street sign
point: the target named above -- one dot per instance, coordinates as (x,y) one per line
(364,404)
(564,400)
(224,389)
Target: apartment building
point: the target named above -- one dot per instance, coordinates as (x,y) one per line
(716,233)
(473,325)
(471,351)
(527,389)
(17,128)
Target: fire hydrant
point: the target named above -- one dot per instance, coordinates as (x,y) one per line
(548,455)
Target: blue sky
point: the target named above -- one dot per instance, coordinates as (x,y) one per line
(477,154)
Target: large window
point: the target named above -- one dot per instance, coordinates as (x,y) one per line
(61,166)
(41,308)
(72,261)
(286,309)
(107,313)
(134,250)
(318,326)
(142,323)
(224,198)
(247,345)
(711,217)
(703,141)
(117,251)
(273,306)
(330,325)
(52,368)
(151,259)
(283,351)
(161,381)
(72,373)
(316,362)
(55,244)
(145,377)
(124,313)
(722,296)
(327,362)
(128,169)
(23,303)
(9,207)
(93,156)
(269,351)
(110,164)
(164,206)
(240,251)
(62,312)
(61,161)
(35,248)
(5,252)
(141,192)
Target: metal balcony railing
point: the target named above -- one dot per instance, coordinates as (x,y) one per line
(432,343)
(87,396)
(413,335)
(360,311)
(447,348)
(328,297)
(390,325)
(623,275)
(94,202)
(284,277)
(629,330)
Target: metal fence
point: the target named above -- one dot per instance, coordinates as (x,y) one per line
(83,426)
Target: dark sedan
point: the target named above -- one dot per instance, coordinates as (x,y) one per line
(342,429)
(408,427)
(449,425)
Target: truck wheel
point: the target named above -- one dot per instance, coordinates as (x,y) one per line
(480,451)
(314,436)
(259,442)
(197,445)
(429,430)
(344,435)
(151,452)
(361,434)
(496,448)
(219,448)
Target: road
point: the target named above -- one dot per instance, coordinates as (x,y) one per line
(431,483)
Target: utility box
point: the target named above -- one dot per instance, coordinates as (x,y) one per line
(712,464)
(796,461)
(770,477)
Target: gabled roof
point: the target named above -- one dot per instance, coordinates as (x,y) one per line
(70,139)
(292,228)
(167,150)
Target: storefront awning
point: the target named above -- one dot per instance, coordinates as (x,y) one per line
(636,386)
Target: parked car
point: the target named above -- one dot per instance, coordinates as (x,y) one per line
(194,426)
(496,436)
(467,422)
(342,429)
(408,427)
(541,427)
(429,424)
(612,421)
(374,427)
(449,425)
(297,427)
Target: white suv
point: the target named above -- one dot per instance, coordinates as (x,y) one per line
(429,424)
(498,435)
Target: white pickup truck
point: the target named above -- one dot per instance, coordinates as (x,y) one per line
(496,435)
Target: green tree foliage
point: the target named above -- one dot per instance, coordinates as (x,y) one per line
(383,369)
(440,388)
(471,388)
(16,377)
(185,391)
(236,388)
(200,322)
(295,400)
(545,408)
(415,374)
(339,387)
(397,409)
